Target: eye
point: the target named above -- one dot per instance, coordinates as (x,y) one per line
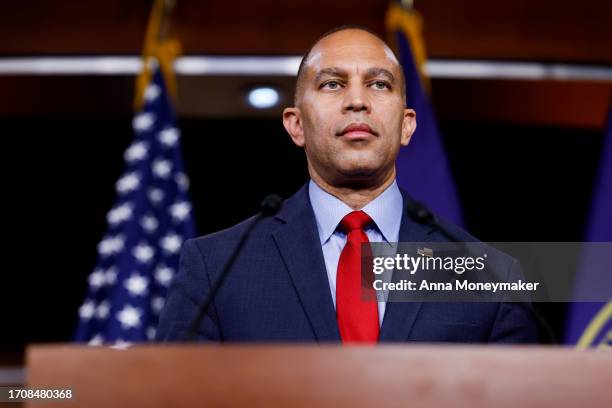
(381,85)
(331,85)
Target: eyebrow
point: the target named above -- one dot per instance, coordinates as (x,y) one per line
(342,73)
(333,71)
(374,72)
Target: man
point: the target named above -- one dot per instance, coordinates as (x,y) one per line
(297,278)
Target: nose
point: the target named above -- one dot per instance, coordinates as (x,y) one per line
(356,100)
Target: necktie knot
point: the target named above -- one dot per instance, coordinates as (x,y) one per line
(355,220)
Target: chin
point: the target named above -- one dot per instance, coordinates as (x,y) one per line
(360,165)
(359,173)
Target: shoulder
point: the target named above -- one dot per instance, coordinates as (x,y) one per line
(506,265)
(259,228)
(227,239)
(447,231)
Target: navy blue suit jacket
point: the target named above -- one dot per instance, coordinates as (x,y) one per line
(278,291)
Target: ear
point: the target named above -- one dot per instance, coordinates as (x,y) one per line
(292,120)
(408,126)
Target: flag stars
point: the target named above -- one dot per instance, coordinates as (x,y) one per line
(171,243)
(151,93)
(87,310)
(143,253)
(137,151)
(96,279)
(111,245)
(99,278)
(169,136)
(180,210)
(157,304)
(129,317)
(182,181)
(156,195)
(103,310)
(162,168)
(119,214)
(136,285)
(121,344)
(149,223)
(143,122)
(127,183)
(151,333)
(163,275)
(96,340)
(110,275)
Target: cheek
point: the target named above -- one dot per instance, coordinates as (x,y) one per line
(392,122)
(316,143)
(313,119)
(323,119)
(389,112)
(318,128)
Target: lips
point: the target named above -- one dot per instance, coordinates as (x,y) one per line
(357,130)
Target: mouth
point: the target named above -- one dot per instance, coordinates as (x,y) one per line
(357,131)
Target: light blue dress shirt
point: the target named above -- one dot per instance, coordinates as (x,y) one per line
(385,210)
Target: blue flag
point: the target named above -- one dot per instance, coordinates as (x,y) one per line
(589,324)
(422,167)
(152,216)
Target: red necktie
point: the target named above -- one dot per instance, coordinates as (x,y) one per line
(357,318)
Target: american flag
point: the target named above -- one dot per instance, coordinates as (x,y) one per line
(139,255)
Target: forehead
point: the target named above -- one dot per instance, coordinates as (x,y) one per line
(352,50)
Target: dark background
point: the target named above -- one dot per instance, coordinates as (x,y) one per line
(523,152)
(516,183)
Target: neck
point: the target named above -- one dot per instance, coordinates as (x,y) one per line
(355,193)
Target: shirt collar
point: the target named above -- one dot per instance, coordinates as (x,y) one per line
(385,210)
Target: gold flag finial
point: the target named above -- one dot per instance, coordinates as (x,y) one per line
(159,45)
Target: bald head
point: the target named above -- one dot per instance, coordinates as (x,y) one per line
(341,40)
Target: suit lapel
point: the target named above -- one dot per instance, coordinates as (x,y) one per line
(401,315)
(298,243)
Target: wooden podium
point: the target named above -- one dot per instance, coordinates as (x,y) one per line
(322,376)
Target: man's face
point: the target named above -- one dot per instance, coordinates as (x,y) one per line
(350,116)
